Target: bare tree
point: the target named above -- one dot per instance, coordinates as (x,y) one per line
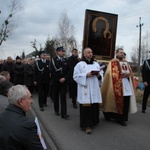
(8,25)
(66,32)
(144,49)
(134,55)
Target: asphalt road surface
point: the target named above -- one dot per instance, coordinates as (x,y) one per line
(61,134)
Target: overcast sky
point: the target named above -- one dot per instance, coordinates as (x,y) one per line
(39,19)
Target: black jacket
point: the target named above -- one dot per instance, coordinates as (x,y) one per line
(72,61)
(146,72)
(58,69)
(28,75)
(18,69)
(18,132)
(42,72)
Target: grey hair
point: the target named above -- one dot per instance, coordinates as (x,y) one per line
(4,87)
(16,93)
(2,78)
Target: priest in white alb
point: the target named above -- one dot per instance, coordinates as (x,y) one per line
(87,76)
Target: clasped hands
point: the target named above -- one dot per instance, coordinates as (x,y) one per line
(125,75)
(62,80)
(145,84)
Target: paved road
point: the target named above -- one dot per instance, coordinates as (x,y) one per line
(63,134)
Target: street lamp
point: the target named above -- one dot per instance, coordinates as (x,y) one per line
(139,59)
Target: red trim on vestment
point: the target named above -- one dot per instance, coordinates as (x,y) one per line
(117,85)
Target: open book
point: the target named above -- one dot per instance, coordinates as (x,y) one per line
(95,72)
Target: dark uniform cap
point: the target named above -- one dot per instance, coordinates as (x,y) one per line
(18,57)
(42,52)
(60,49)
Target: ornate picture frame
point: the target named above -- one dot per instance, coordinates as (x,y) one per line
(124,67)
(100,33)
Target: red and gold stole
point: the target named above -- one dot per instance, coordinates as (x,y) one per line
(117,85)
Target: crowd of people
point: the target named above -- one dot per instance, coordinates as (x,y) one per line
(84,79)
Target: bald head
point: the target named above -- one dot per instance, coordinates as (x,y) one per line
(87,53)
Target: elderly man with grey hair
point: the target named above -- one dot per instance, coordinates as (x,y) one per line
(4,87)
(17,131)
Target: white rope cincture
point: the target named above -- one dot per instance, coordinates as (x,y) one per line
(56,69)
(39,68)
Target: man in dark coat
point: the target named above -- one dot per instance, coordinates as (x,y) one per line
(72,61)
(18,69)
(59,75)
(42,79)
(8,66)
(28,75)
(17,131)
(146,81)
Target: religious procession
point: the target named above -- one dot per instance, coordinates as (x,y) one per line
(93,85)
(84,79)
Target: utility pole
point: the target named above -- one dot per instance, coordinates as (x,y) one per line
(139,59)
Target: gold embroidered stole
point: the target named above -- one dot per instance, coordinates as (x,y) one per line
(117,86)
